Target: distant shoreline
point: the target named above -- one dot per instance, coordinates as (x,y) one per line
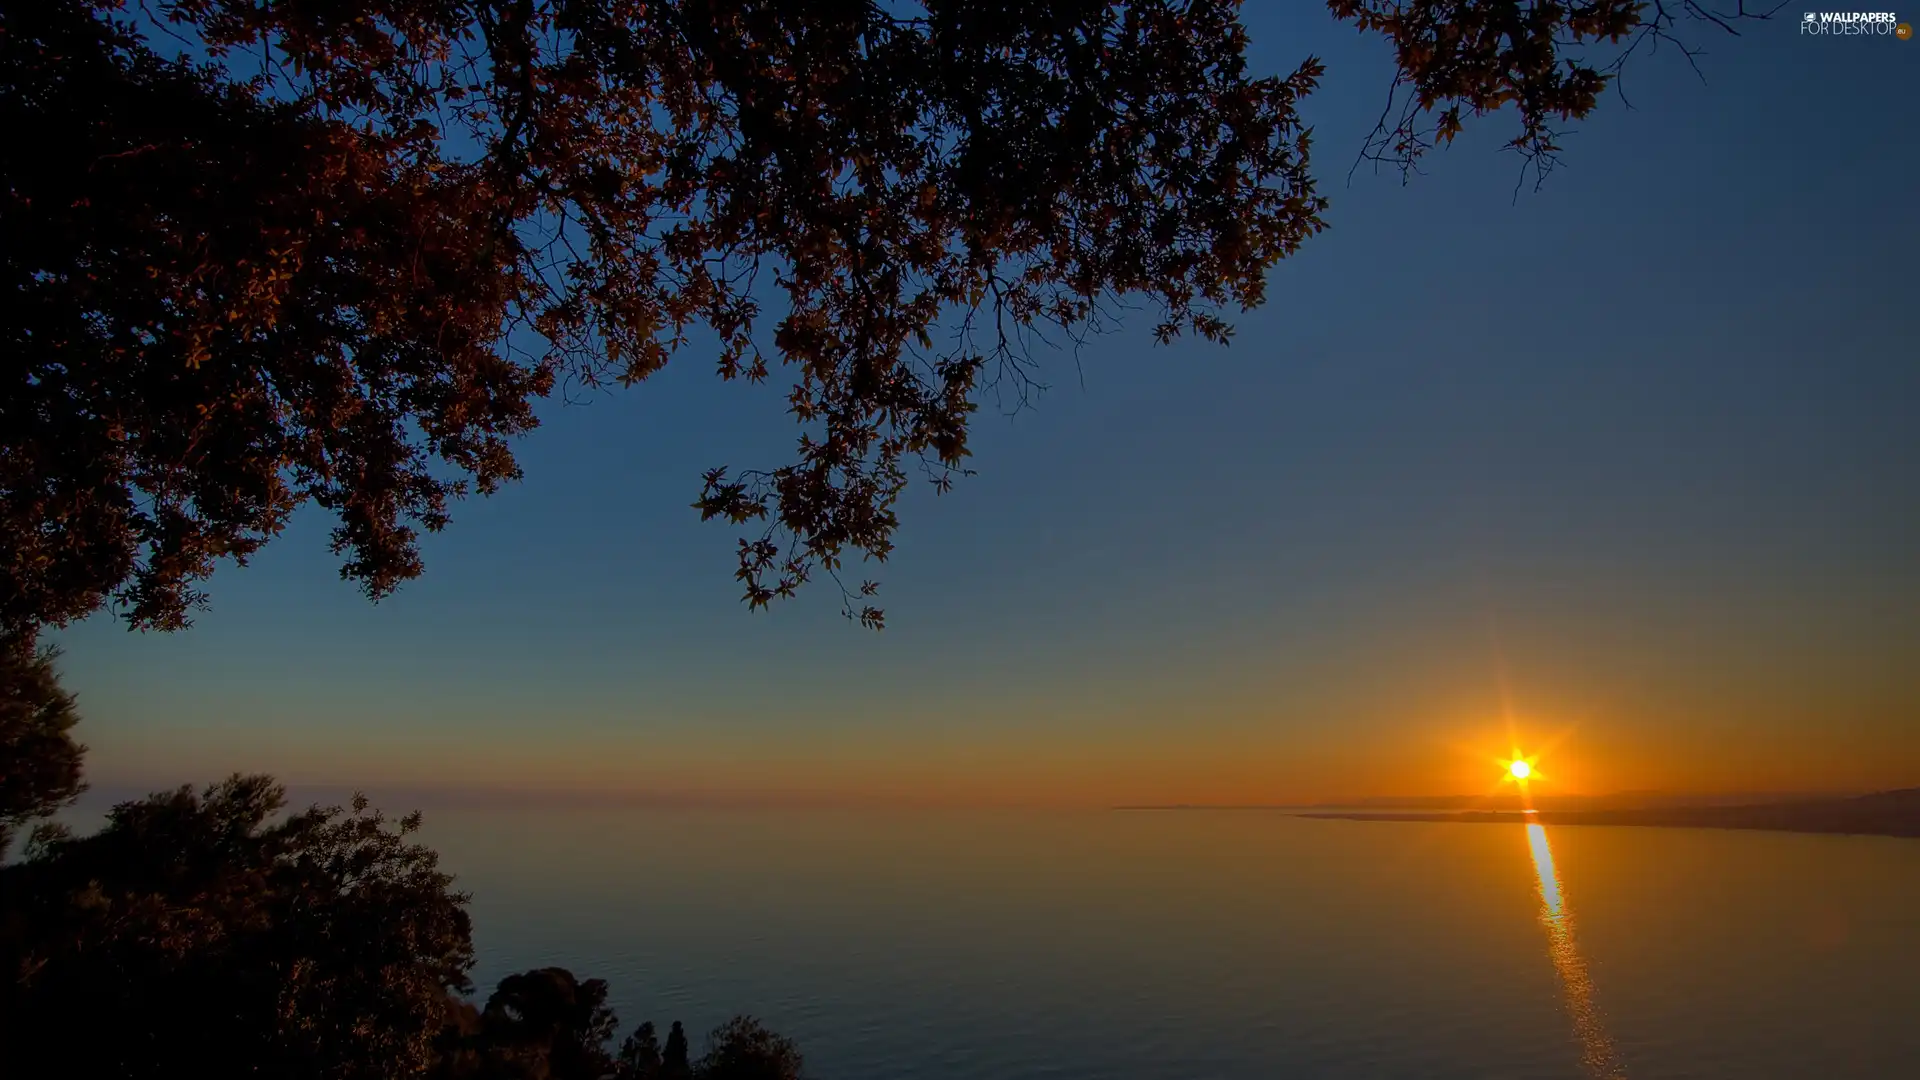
(1886,813)
(1658,819)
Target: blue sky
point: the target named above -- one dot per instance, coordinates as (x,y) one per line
(1635,455)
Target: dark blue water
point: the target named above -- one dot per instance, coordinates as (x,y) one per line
(1156,945)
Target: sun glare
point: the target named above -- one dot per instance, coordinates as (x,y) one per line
(1520,769)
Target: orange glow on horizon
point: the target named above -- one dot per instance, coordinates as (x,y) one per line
(1459,749)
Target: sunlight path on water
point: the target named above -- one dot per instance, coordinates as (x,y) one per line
(1596,1047)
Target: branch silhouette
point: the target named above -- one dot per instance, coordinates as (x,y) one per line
(272,254)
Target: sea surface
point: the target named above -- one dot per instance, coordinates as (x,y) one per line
(1153,945)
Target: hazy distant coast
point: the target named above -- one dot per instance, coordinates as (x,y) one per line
(1886,813)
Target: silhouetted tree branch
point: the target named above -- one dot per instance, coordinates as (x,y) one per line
(1549,60)
(333,253)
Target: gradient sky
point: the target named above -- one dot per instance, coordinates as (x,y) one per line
(1633,461)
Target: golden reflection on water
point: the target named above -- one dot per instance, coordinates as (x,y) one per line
(1596,1048)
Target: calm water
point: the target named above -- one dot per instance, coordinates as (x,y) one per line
(1145,945)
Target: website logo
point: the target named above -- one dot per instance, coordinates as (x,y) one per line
(1854,24)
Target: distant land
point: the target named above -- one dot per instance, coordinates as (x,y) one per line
(1884,813)
(1512,801)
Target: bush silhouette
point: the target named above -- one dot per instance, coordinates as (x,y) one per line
(194,931)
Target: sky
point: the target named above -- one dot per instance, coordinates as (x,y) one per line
(1624,472)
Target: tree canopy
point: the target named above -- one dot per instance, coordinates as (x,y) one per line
(196,928)
(268,252)
(213,934)
(39,760)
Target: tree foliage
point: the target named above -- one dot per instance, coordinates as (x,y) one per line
(1549,60)
(205,934)
(674,1063)
(221,305)
(272,252)
(743,1049)
(640,1054)
(39,760)
(196,935)
(543,1024)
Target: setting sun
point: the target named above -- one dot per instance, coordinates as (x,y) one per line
(1520,769)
